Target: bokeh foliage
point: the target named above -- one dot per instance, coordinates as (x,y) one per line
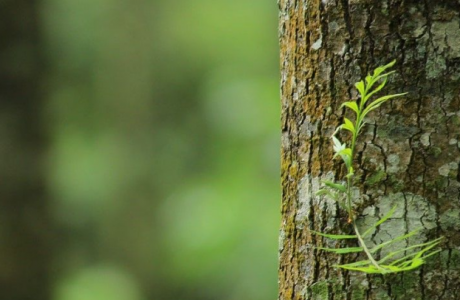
(164,156)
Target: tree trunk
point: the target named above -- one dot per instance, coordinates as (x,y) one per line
(409,155)
(24,227)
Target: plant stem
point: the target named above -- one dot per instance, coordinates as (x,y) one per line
(366,250)
(350,183)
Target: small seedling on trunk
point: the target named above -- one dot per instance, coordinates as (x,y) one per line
(413,256)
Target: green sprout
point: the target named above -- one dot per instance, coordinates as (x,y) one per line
(342,192)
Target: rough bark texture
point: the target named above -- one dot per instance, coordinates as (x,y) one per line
(409,154)
(24,230)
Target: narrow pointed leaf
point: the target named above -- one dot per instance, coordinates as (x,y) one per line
(376,90)
(375,104)
(376,78)
(420,253)
(386,217)
(412,264)
(391,254)
(404,261)
(342,250)
(379,70)
(361,89)
(369,270)
(335,186)
(352,105)
(348,125)
(384,75)
(335,236)
(431,253)
(368,80)
(330,194)
(357,263)
(417,254)
(386,98)
(397,239)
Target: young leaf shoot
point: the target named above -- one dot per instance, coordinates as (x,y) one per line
(342,192)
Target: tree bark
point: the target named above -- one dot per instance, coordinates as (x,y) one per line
(409,153)
(24,222)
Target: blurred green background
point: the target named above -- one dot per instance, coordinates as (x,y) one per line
(140,145)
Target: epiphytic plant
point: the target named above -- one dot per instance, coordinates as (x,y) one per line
(412,256)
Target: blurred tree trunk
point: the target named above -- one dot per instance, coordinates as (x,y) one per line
(410,154)
(23,212)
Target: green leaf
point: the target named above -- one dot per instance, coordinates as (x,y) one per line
(357,263)
(409,265)
(405,261)
(419,254)
(346,151)
(342,250)
(379,102)
(368,81)
(352,105)
(360,87)
(386,217)
(379,70)
(381,86)
(373,81)
(399,238)
(333,196)
(431,253)
(429,245)
(348,125)
(386,98)
(384,75)
(336,236)
(361,266)
(335,186)
(369,270)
